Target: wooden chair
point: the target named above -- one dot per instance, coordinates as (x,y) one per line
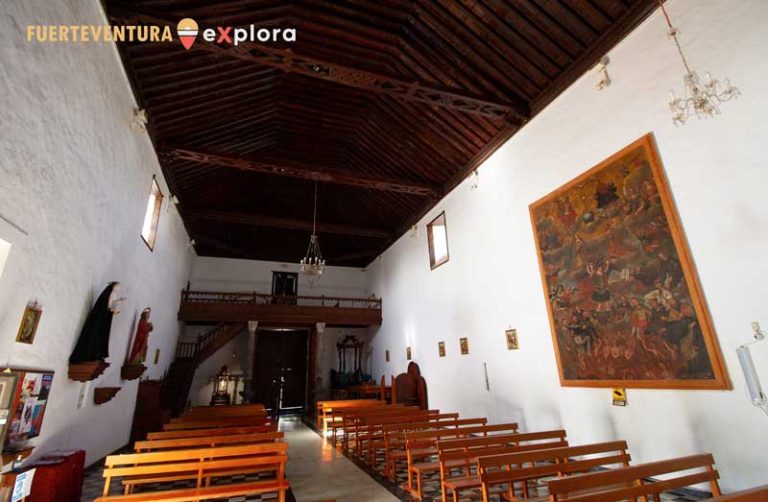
(217,431)
(463,454)
(199,465)
(203,441)
(533,466)
(633,482)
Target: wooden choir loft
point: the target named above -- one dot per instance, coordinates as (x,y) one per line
(226,269)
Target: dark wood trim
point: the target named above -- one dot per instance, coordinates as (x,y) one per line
(285,223)
(296,170)
(288,61)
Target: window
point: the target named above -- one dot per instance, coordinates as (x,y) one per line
(152,215)
(437,234)
(5,248)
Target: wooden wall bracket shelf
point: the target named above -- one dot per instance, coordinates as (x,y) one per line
(102,395)
(132,371)
(9,456)
(84,372)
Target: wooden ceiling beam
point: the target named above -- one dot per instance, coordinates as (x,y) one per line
(513,110)
(286,223)
(305,172)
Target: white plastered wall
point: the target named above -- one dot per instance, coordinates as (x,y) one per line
(718,177)
(74,182)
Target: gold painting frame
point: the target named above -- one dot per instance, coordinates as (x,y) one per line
(556,220)
(30,321)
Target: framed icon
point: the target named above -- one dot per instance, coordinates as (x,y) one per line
(464,346)
(441,349)
(408,353)
(512,339)
(29,323)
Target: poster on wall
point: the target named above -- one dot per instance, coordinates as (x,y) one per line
(624,301)
(28,405)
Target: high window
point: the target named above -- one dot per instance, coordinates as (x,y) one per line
(5,248)
(152,215)
(437,234)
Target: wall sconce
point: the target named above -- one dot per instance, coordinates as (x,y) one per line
(756,394)
(139,120)
(602,70)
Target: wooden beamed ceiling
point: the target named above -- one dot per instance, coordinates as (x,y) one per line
(386,104)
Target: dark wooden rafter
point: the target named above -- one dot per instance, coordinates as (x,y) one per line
(312,173)
(286,223)
(514,110)
(389,103)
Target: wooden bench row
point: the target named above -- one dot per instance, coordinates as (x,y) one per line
(202,448)
(496,459)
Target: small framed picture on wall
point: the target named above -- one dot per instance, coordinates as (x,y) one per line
(29,323)
(441,349)
(408,353)
(464,346)
(512,339)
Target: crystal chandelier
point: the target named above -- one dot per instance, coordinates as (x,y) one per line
(312,264)
(702,98)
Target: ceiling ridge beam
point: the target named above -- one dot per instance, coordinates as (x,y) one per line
(287,223)
(286,60)
(296,170)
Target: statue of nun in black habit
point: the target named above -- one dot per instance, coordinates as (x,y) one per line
(93,343)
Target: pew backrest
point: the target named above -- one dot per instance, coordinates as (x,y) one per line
(628,482)
(217,431)
(209,441)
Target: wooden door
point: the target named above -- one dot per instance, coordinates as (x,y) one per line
(285,283)
(280,369)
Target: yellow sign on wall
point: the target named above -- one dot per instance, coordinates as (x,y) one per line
(619,397)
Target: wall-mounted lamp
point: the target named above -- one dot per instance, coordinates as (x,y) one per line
(602,70)
(139,119)
(475,180)
(756,394)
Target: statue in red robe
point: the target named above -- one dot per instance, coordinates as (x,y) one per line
(139,350)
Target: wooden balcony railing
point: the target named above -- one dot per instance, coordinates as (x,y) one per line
(265,299)
(220,306)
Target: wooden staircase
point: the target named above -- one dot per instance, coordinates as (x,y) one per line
(189,355)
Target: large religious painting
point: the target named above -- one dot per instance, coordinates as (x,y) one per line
(624,301)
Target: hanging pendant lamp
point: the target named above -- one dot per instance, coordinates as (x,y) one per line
(312,264)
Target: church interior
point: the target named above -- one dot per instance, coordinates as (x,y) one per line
(381,250)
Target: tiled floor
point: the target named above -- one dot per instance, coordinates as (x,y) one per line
(318,472)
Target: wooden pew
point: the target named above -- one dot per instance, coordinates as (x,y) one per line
(525,467)
(369,437)
(215,423)
(423,444)
(631,482)
(217,431)
(464,454)
(393,442)
(233,410)
(323,407)
(356,422)
(200,465)
(206,441)
(220,414)
(347,417)
(759,493)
